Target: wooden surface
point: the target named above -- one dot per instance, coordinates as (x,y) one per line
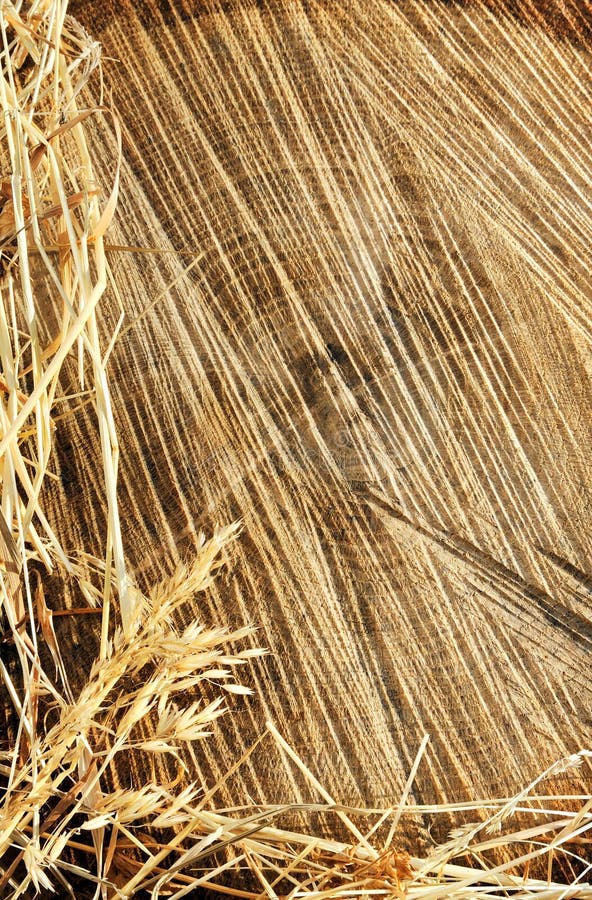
(381,363)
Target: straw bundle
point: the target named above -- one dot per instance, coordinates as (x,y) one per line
(351,250)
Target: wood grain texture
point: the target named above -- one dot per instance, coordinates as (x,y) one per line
(381,363)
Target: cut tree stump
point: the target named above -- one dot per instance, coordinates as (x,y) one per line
(380,362)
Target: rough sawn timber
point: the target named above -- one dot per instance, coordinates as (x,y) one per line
(381,363)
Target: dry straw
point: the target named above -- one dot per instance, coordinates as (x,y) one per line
(62,827)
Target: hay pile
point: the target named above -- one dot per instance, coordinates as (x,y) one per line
(160,678)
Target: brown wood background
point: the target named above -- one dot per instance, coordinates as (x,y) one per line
(381,363)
